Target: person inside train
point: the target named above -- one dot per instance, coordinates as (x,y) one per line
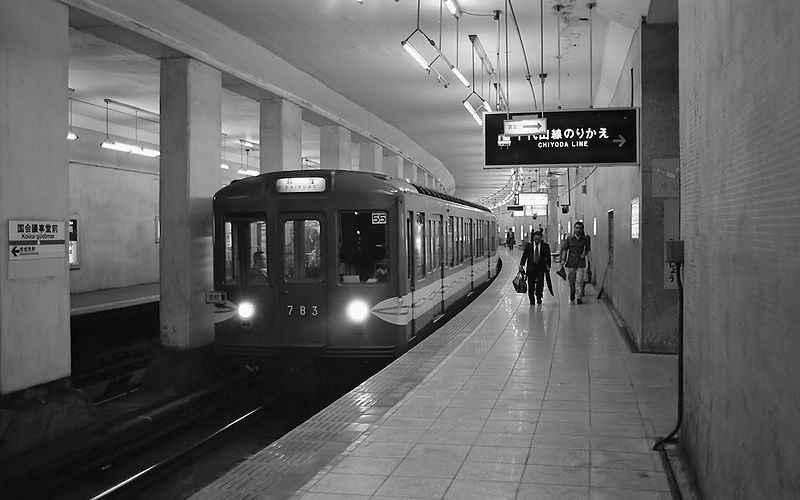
(258,272)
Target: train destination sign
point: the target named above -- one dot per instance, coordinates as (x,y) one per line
(598,136)
(35,239)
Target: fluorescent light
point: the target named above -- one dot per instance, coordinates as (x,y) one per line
(71,136)
(459,76)
(472,112)
(486,106)
(416,55)
(478,46)
(150,153)
(224,166)
(116,146)
(453,7)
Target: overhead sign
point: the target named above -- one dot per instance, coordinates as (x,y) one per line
(525,126)
(34,239)
(529,199)
(598,136)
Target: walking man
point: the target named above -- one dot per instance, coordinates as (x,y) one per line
(574,252)
(537,256)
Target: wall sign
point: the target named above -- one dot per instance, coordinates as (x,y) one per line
(36,239)
(597,136)
(73,247)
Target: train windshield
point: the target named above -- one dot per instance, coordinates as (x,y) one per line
(363,248)
(246,251)
(302,250)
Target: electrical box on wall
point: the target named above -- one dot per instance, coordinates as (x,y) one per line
(564,209)
(673,251)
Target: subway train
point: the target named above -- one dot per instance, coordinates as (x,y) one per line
(335,263)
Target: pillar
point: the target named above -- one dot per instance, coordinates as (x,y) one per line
(370,157)
(190,151)
(410,172)
(355,156)
(422,177)
(334,149)
(393,165)
(281,135)
(553,214)
(34,186)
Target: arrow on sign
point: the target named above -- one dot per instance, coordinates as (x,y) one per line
(620,140)
(15,251)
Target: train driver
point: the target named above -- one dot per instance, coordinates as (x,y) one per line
(258,273)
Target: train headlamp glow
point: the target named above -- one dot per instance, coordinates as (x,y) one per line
(357,310)
(246,310)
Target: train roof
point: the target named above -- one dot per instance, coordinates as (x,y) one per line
(350,178)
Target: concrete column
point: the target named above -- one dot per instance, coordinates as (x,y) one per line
(34,185)
(370,157)
(393,165)
(281,136)
(355,156)
(410,172)
(190,150)
(422,177)
(334,149)
(553,213)
(658,207)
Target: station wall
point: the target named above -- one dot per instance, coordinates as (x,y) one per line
(115,198)
(739,218)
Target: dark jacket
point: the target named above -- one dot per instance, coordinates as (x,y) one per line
(527,256)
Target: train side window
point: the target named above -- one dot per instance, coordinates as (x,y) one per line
(419,244)
(246,251)
(363,247)
(301,244)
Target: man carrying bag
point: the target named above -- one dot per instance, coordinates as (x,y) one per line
(537,257)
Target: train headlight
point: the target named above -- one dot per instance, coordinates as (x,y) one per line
(357,311)
(246,310)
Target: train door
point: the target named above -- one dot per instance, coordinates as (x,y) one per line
(471,253)
(411,260)
(302,298)
(439,251)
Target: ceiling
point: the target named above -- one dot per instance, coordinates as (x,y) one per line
(354,49)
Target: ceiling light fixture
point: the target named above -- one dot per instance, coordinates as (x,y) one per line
(121,146)
(423,61)
(474,102)
(454,8)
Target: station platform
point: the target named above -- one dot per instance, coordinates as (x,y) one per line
(113,298)
(505,401)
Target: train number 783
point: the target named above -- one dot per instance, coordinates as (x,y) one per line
(302,310)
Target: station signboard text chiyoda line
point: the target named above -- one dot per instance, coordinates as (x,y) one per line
(597,136)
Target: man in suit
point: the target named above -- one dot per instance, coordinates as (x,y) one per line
(537,256)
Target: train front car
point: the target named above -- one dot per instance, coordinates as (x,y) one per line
(304,257)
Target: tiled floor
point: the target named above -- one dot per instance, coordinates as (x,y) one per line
(540,402)
(506,400)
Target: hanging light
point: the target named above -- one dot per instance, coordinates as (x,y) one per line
(474,101)
(454,8)
(423,41)
(71,136)
(123,147)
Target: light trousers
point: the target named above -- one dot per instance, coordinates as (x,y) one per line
(576,274)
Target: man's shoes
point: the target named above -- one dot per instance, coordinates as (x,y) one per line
(580,301)
(538,300)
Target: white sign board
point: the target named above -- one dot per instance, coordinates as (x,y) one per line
(533,199)
(36,239)
(524,126)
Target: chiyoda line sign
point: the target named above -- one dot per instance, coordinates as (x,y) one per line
(597,136)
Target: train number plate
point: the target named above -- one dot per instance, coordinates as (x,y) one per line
(302,310)
(216,297)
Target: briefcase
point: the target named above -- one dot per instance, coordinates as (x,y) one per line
(520,282)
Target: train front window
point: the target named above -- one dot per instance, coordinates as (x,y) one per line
(246,251)
(363,247)
(301,244)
